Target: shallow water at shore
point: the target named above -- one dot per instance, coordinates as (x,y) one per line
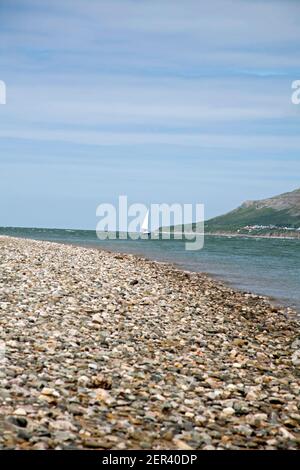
(264,266)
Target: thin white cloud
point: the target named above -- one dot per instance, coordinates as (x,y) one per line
(167,103)
(202,141)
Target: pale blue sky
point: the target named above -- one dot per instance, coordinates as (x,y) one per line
(165,101)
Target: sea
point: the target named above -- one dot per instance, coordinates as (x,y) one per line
(265,266)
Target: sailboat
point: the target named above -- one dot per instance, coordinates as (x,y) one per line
(145,225)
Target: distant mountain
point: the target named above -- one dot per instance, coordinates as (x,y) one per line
(280,213)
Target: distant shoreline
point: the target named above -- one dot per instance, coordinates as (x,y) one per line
(238,235)
(244,235)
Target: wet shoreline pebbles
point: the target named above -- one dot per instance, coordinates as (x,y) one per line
(111,351)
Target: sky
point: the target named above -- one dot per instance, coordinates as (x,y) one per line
(163,101)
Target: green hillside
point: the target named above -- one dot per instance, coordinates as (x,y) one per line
(249,216)
(279,215)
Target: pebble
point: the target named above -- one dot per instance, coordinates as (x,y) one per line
(20,412)
(296,358)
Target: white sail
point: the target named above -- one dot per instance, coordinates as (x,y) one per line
(145,224)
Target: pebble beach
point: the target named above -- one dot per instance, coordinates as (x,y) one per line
(100,350)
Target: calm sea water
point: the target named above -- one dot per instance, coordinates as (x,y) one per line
(265,266)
